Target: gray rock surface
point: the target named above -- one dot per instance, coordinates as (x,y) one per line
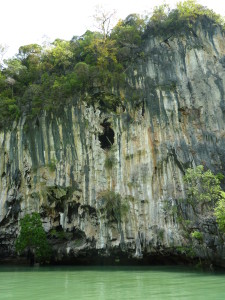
(57,165)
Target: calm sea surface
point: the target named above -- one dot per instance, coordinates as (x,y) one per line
(65,283)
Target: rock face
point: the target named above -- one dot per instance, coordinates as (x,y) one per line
(63,165)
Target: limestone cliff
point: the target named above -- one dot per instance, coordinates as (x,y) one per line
(60,165)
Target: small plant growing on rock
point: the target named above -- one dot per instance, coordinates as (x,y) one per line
(188,251)
(110,160)
(161,233)
(115,206)
(52,165)
(197,235)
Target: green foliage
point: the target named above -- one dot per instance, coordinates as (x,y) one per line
(190,9)
(29,51)
(82,72)
(186,250)
(9,111)
(202,187)
(14,68)
(110,160)
(60,55)
(128,33)
(92,66)
(161,233)
(48,78)
(220,176)
(52,165)
(160,13)
(197,235)
(32,237)
(115,206)
(220,212)
(165,21)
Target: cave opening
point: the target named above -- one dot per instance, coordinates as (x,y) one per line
(107,137)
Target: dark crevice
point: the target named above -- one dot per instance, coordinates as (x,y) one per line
(107,138)
(176,160)
(72,211)
(143,109)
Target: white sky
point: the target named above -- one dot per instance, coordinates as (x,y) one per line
(24,22)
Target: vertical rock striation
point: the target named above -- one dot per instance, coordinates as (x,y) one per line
(60,165)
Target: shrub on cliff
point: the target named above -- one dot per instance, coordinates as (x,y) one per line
(9,111)
(114,205)
(32,238)
(220,212)
(203,188)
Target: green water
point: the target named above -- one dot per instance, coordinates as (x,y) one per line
(106,283)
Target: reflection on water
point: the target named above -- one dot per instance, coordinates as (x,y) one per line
(110,283)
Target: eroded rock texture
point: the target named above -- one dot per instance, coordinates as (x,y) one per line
(61,164)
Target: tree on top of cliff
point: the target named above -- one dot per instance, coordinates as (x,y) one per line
(92,66)
(103,20)
(165,21)
(32,238)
